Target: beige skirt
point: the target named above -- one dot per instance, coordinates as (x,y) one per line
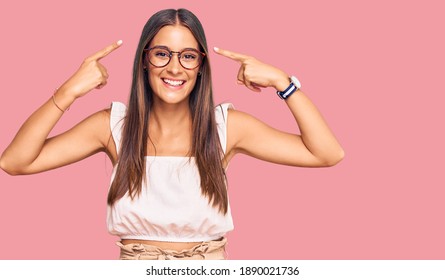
(208,250)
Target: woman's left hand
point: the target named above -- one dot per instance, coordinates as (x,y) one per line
(255,74)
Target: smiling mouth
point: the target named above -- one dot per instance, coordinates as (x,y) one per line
(174,83)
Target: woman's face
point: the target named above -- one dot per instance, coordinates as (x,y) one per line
(172,83)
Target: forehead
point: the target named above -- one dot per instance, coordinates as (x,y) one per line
(175,37)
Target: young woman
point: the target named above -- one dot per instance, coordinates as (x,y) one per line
(170,147)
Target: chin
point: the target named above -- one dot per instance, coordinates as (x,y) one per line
(173,97)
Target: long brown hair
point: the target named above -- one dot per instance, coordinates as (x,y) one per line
(206,147)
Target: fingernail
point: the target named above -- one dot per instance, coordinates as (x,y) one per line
(119,42)
(215,49)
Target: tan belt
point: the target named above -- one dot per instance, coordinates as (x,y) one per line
(207,250)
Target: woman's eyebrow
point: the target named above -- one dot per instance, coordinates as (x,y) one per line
(167,48)
(160,46)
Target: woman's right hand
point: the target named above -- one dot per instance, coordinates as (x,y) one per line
(90,75)
(31,151)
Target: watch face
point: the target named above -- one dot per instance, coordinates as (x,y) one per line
(296,82)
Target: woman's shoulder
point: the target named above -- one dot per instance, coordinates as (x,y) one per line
(117,109)
(226,115)
(225,111)
(117,113)
(222,111)
(112,114)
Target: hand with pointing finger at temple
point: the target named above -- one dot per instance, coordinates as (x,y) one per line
(91,74)
(255,74)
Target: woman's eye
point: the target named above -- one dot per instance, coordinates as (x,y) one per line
(161,54)
(189,56)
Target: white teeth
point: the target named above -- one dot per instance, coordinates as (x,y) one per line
(173,83)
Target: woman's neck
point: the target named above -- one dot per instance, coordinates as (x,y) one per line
(169,130)
(170,119)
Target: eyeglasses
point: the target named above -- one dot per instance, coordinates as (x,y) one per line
(160,56)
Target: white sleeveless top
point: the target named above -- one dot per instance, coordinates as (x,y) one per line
(170,206)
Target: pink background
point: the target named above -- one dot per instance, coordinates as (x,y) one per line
(375,71)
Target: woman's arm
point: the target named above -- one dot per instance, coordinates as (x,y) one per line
(315,147)
(31,150)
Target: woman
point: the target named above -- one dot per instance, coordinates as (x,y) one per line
(170,147)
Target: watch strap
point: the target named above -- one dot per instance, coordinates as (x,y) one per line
(293,87)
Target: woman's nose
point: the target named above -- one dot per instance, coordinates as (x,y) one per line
(174,66)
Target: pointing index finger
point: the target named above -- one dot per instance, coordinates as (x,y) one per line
(232,55)
(105,51)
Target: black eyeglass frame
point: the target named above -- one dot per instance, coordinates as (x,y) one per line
(171,54)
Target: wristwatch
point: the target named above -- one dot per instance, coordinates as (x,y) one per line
(293,87)
(296,82)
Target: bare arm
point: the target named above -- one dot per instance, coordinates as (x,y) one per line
(28,154)
(31,150)
(315,147)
